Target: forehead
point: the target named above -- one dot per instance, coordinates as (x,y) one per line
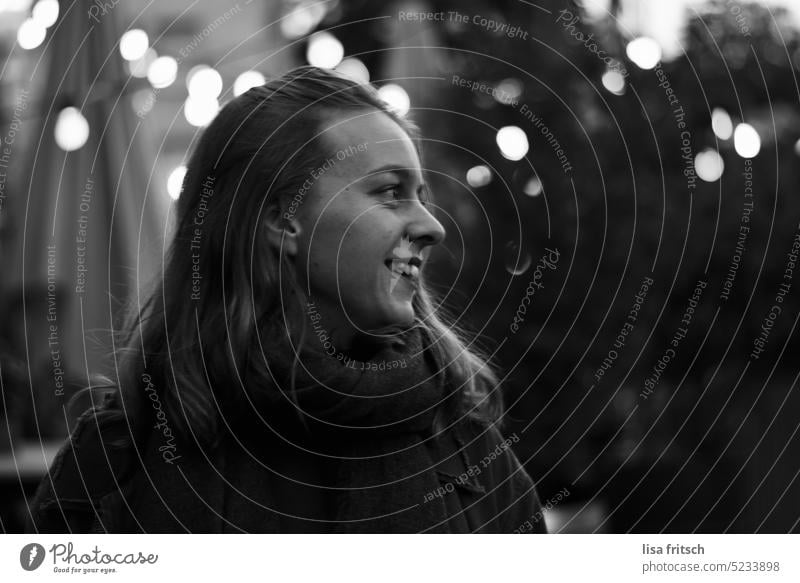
(362,141)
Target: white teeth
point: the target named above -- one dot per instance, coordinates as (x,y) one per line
(403,268)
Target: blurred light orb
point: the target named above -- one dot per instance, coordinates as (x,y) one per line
(478,176)
(709,165)
(142,101)
(246,81)
(644,52)
(517,260)
(133,44)
(175,182)
(72,129)
(746,141)
(200,112)
(533,187)
(203,82)
(324,50)
(614,82)
(162,72)
(508,90)
(45,12)
(302,19)
(192,72)
(395,97)
(15,5)
(596,8)
(30,34)
(513,143)
(721,123)
(139,67)
(355,69)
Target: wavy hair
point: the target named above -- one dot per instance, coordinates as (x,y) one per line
(253,156)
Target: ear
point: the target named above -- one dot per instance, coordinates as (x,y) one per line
(283,230)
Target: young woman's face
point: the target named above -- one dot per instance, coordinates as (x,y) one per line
(365,231)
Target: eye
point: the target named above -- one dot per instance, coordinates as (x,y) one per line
(393,190)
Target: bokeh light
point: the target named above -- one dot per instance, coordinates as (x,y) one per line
(139,67)
(709,165)
(143,100)
(533,187)
(203,82)
(162,72)
(721,123)
(355,69)
(513,142)
(508,90)
(45,12)
(614,82)
(517,260)
(324,50)
(133,44)
(30,34)
(15,5)
(72,129)
(478,176)
(175,182)
(395,97)
(746,141)
(302,19)
(246,81)
(644,52)
(200,112)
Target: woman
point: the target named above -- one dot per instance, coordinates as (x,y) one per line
(290,373)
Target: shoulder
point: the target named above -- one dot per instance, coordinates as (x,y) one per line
(89,467)
(492,456)
(486,442)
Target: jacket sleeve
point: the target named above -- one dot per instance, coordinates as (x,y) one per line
(524,514)
(87,469)
(515,505)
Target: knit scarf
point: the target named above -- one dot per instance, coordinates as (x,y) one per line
(374,418)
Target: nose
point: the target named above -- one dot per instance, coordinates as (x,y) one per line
(424,229)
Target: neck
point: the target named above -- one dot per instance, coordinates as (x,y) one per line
(328,326)
(322,322)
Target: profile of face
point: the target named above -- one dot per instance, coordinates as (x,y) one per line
(363,232)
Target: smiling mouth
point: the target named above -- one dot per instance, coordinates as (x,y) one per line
(404,269)
(404,264)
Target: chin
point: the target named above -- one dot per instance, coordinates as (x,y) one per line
(398,316)
(405,316)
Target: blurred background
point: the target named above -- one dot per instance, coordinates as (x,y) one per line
(619,180)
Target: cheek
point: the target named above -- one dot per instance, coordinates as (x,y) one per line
(345,255)
(360,255)
(320,241)
(339,249)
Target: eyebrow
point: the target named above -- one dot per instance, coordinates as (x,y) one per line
(390,168)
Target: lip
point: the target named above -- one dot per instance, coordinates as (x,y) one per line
(404,263)
(396,276)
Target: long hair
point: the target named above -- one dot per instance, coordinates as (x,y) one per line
(198,330)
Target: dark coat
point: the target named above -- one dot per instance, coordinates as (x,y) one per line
(91,488)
